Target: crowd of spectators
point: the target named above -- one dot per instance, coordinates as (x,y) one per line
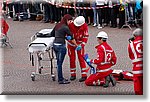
(113,13)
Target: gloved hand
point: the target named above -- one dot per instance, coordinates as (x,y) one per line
(92,70)
(86,56)
(78,47)
(68,37)
(87,59)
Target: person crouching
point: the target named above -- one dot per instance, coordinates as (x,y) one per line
(106,58)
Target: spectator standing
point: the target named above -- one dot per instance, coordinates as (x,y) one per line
(100,3)
(94,13)
(113,13)
(122,13)
(47,12)
(88,12)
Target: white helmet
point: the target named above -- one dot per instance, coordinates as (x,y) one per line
(102,34)
(138,32)
(79,21)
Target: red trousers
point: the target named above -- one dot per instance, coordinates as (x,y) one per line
(138,84)
(72,57)
(95,80)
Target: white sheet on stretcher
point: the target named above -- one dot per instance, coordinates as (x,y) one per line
(45,31)
(41,47)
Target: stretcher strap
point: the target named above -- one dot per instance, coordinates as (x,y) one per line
(38,43)
(32,60)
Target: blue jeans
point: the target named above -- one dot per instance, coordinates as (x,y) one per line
(95,13)
(60,51)
(95,16)
(47,12)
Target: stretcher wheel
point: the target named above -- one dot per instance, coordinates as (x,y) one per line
(53,78)
(40,70)
(33,76)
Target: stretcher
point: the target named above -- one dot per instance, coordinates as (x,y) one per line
(42,44)
(122,75)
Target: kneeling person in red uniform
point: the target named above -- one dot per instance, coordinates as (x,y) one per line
(105,59)
(135,49)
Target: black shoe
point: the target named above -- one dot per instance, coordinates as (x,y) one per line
(72,78)
(114,26)
(107,82)
(105,85)
(89,23)
(82,79)
(112,80)
(40,58)
(46,21)
(119,27)
(64,82)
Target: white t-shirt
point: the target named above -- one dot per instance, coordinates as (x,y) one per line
(79,0)
(100,2)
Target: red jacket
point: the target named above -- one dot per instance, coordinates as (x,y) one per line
(105,57)
(135,50)
(4,26)
(80,34)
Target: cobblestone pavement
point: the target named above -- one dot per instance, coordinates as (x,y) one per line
(17,67)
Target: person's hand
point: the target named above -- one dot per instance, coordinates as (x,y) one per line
(78,47)
(92,71)
(86,56)
(68,37)
(87,59)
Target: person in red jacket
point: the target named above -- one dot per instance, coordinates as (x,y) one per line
(106,58)
(80,33)
(4,26)
(135,50)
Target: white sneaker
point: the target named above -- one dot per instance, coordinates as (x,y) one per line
(9,17)
(99,26)
(94,25)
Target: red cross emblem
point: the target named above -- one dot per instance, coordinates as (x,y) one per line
(139,48)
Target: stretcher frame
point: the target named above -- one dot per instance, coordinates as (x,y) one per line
(37,55)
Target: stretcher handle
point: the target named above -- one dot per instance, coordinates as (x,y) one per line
(38,43)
